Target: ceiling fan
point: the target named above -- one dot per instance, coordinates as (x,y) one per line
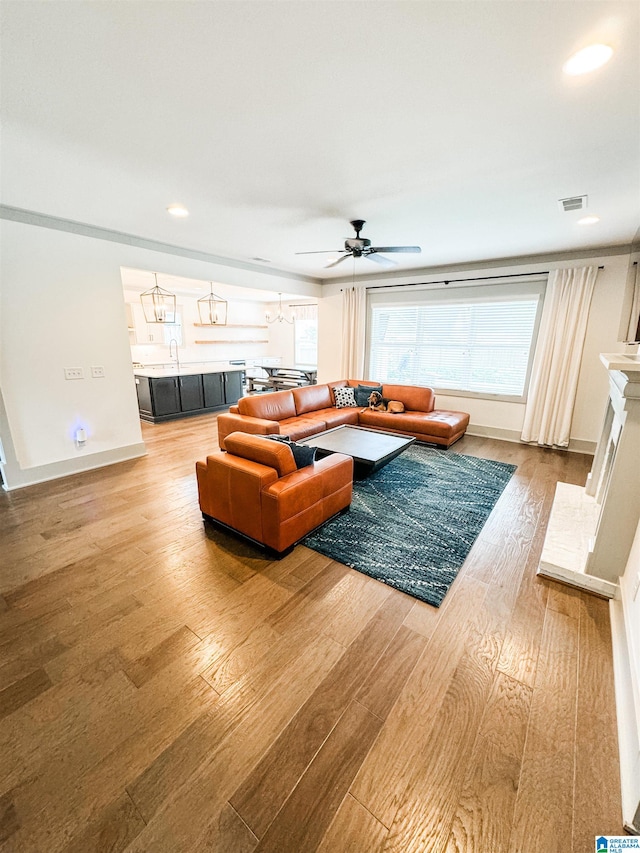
(360,247)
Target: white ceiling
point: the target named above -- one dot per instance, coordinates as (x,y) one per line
(444,124)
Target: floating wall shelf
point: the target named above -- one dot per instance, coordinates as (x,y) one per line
(232,342)
(228,326)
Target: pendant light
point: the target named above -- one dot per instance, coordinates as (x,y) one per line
(159,305)
(212,309)
(280,317)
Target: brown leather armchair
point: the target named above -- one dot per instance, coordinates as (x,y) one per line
(255,489)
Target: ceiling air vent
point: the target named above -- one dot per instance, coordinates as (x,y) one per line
(576,202)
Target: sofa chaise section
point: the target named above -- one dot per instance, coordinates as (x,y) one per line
(420,418)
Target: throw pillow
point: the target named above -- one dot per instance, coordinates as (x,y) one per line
(344,397)
(302,455)
(363,392)
(274,436)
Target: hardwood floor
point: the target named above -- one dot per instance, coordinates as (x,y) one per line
(164,687)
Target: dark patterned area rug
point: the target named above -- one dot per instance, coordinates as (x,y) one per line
(412,524)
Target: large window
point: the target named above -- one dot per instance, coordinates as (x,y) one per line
(476,340)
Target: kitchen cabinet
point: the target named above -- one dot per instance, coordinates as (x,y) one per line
(233,387)
(223,388)
(164,398)
(153,333)
(145,333)
(128,307)
(191,396)
(213,389)
(143,390)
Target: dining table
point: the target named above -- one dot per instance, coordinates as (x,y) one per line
(278,378)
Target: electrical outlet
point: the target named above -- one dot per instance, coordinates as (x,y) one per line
(73,373)
(97,372)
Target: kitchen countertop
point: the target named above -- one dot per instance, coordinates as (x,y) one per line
(187,370)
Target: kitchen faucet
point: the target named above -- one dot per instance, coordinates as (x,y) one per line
(171,343)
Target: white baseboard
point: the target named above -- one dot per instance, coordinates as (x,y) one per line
(494,432)
(580,580)
(18,478)
(576,445)
(581,445)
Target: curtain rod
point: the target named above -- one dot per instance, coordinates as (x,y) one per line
(447,281)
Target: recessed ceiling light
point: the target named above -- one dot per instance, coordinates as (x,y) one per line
(588,59)
(177,210)
(588,220)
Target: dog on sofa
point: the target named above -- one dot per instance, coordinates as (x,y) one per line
(380,404)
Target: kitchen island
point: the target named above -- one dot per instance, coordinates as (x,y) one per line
(168,393)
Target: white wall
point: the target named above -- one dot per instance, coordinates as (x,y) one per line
(504,419)
(62,305)
(625,624)
(602,336)
(330,336)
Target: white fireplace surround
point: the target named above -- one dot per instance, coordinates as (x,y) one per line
(591,528)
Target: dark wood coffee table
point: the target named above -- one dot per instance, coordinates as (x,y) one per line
(370,448)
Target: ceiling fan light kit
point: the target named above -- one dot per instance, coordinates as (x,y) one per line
(360,247)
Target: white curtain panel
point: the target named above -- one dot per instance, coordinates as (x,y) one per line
(634,317)
(354,320)
(556,364)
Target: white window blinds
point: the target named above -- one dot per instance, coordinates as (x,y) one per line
(478,345)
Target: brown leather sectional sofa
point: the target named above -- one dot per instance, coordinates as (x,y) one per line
(306,411)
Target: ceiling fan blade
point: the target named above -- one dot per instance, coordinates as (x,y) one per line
(396,249)
(379,259)
(319,252)
(339,261)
